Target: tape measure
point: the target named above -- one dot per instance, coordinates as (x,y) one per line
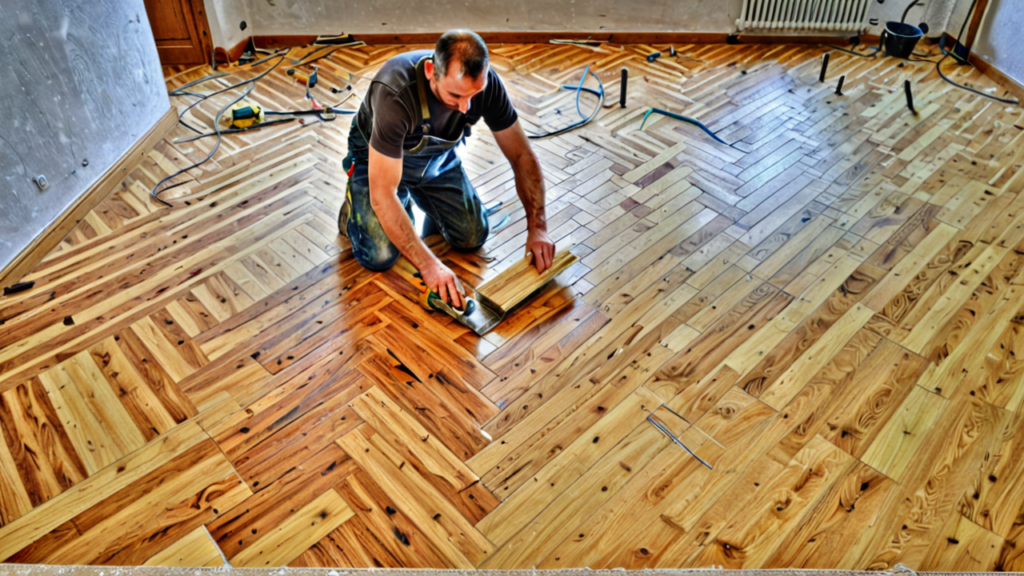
(245,114)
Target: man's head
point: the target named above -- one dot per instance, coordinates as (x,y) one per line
(459,69)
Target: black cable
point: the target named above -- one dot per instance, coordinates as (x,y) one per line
(155,191)
(308,112)
(181,92)
(237,130)
(333,48)
(907,11)
(299,61)
(331,109)
(265,58)
(216,122)
(595,93)
(870,54)
(961,33)
(938,67)
(181,89)
(200,97)
(186,93)
(947,54)
(280,54)
(579,89)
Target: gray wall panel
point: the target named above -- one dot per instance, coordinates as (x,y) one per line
(998,43)
(81,83)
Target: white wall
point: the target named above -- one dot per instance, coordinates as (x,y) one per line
(303,17)
(384,16)
(226,17)
(997,43)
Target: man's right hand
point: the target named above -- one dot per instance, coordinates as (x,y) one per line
(443,282)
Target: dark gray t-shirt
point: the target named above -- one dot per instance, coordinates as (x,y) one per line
(388,110)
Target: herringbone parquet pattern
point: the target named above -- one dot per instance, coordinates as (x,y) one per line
(826,312)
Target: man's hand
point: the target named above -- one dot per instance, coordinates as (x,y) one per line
(443,282)
(541,248)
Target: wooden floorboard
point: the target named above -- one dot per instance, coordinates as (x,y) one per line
(826,311)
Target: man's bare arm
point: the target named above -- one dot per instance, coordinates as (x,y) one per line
(530,188)
(385,173)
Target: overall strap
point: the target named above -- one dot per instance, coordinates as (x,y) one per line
(423,112)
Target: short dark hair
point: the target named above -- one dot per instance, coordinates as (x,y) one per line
(466,47)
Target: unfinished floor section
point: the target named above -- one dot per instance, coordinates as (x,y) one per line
(826,311)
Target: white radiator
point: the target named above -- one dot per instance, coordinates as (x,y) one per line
(781,15)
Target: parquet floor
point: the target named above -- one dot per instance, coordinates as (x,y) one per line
(827,312)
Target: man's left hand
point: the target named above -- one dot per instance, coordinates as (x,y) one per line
(540,246)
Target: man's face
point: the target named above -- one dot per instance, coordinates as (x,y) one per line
(455,89)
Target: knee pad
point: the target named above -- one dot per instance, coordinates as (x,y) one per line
(375,260)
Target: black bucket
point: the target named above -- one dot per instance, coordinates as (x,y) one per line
(900,39)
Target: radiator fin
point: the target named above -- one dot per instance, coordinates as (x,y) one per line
(799,15)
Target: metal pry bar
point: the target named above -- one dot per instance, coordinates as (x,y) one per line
(697,123)
(677,441)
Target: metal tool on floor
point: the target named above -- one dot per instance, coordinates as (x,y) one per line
(669,433)
(824,67)
(839,88)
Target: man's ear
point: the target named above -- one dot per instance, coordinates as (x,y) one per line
(428,68)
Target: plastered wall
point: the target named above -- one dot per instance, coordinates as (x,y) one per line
(81,84)
(286,17)
(998,41)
